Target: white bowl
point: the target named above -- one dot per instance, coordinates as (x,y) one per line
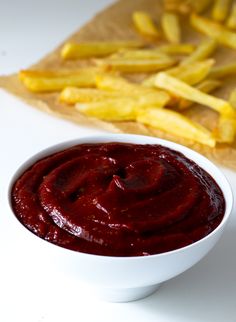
(122,279)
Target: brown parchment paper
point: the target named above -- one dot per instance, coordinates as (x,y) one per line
(114,23)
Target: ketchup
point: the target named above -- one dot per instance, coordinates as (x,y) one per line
(118,199)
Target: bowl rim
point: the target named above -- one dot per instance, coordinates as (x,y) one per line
(127,138)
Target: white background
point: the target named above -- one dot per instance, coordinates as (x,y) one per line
(205,293)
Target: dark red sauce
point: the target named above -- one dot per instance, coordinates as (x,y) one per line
(118,199)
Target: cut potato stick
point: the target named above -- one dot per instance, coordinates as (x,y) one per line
(225,131)
(49,81)
(113,110)
(191,74)
(155,53)
(119,84)
(123,109)
(144,24)
(221,9)
(200,5)
(72,95)
(171,27)
(141,54)
(149,82)
(231,21)
(95,49)
(181,89)
(206,86)
(135,65)
(214,30)
(176,124)
(177,49)
(116,83)
(223,71)
(204,50)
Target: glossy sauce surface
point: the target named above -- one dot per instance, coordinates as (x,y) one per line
(118,199)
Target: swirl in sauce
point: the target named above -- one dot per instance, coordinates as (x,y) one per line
(118,199)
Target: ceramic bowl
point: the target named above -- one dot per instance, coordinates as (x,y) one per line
(122,279)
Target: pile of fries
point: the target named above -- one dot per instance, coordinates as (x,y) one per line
(175,74)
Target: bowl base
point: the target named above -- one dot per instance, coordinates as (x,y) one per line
(126,294)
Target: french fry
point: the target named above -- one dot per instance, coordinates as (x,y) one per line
(113,110)
(125,88)
(49,81)
(225,131)
(116,83)
(181,89)
(150,99)
(221,9)
(95,49)
(214,30)
(231,21)
(149,82)
(176,124)
(135,65)
(191,74)
(223,71)
(145,25)
(200,5)
(171,27)
(177,49)
(123,109)
(206,86)
(232,98)
(72,95)
(204,50)
(154,53)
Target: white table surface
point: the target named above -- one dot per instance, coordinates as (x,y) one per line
(205,293)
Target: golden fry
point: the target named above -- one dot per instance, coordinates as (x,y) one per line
(123,109)
(171,27)
(145,25)
(125,88)
(176,124)
(135,65)
(49,81)
(181,89)
(116,83)
(221,9)
(115,109)
(204,50)
(191,74)
(231,21)
(214,30)
(177,49)
(206,86)
(72,95)
(134,54)
(223,71)
(95,49)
